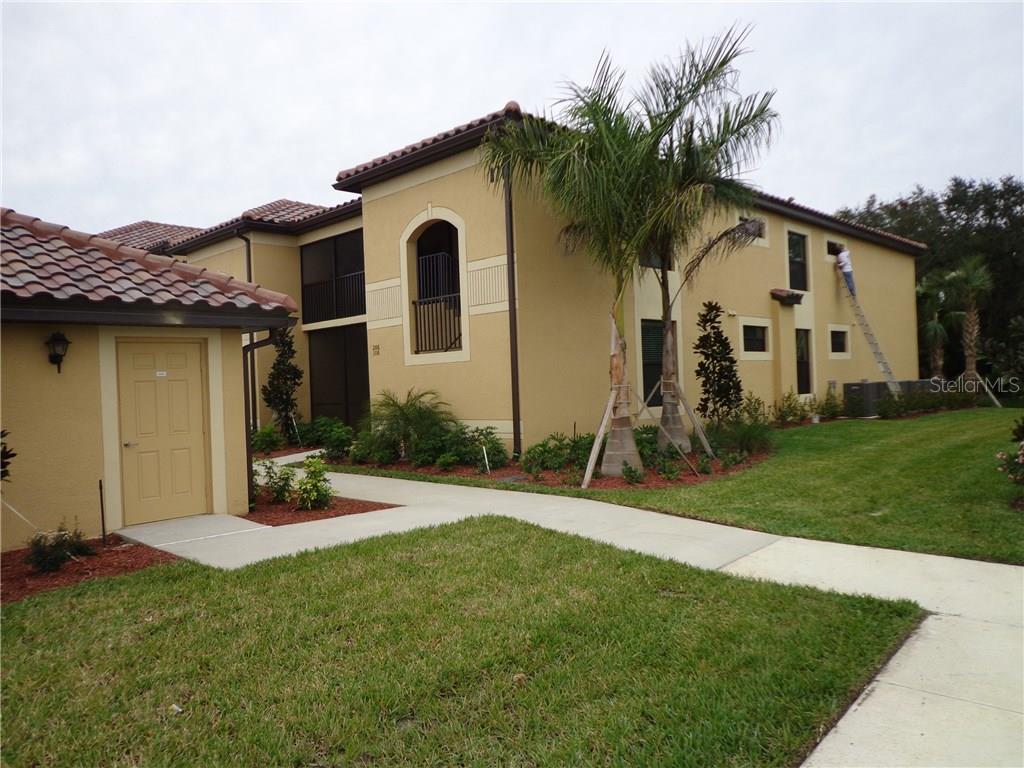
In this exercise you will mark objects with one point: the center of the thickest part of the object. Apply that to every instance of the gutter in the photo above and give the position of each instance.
(513, 317)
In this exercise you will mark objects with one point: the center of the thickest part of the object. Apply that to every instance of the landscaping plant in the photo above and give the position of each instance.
(282, 382)
(789, 410)
(721, 389)
(831, 407)
(632, 475)
(1012, 463)
(336, 439)
(267, 439)
(314, 489)
(278, 480)
(6, 454)
(49, 550)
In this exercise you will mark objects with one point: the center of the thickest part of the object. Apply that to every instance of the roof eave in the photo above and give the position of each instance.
(798, 213)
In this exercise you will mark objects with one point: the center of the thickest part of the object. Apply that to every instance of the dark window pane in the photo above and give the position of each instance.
(332, 278)
(317, 262)
(437, 308)
(797, 261)
(348, 253)
(652, 341)
(755, 338)
(803, 361)
(838, 341)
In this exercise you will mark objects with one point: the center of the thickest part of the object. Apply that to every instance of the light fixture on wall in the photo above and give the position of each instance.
(58, 345)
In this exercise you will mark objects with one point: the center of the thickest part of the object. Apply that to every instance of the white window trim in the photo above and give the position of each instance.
(432, 213)
(760, 242)
(765, 323)
(849, 342)
(796, 230)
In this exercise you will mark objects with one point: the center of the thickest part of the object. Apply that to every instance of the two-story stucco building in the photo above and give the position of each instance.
(437, 278)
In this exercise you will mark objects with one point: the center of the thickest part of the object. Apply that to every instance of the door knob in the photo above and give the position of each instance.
(129, 445)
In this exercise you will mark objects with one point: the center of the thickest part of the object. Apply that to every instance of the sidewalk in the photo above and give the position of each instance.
(952, 696)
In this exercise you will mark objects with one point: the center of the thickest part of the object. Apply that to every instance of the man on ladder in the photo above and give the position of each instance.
(843, 265)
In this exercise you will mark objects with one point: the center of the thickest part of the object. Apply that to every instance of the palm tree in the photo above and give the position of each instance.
(933, 304)
(968, 286)
(589, 166)
(697, 174)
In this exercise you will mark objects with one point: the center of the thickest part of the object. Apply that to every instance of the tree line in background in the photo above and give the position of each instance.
(971, 278)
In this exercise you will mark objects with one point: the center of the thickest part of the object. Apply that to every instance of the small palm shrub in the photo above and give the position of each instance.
(406, 423)
(314, 489)
(267, 439)
(748, 430)
(49, 550)
(277, 480)
(580, 447)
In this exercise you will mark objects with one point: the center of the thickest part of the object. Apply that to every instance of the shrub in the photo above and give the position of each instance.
(314, 489)
(572, 476)
(497, 454)
(336, 439)
(668, 469)
(1012, 464)
(267, 439)
(6, 454)
(721, 389)
(704, 464)
(278, 480)
(282, 381)
(580, 447)
(831, 407)
(1017, 434)
(748, 430)
(790, 410)
(646, 438)
(49, 550)
(551, 453)
(404, 424)
(306, 433)
(891, 407)
(631, 474)
(446, 461)
(732, 458)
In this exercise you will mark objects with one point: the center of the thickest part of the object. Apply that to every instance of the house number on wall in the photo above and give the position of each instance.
(161, 374)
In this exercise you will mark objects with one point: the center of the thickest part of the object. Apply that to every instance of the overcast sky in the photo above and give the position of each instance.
(191, 113)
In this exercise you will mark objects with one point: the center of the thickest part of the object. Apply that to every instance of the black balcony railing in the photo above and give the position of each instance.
(344, 296)
(437, 323)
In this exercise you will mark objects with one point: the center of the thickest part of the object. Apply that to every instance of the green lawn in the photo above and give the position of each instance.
(486, 642)
(927, 485)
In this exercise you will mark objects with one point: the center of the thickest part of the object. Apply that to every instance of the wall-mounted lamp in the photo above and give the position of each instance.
(58, 345)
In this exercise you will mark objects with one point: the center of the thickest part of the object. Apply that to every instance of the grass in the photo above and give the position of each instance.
(926, 485)
(485, 642)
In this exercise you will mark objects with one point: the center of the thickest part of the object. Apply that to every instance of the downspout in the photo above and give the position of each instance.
(513, 324)
(251, 346)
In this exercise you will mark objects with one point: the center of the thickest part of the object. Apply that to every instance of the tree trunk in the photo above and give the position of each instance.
(621, 445)
(972, 332)
(937, 359)
(671, 419)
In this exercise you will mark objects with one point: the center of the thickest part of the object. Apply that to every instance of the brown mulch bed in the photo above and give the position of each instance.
(19, 580)
(515, 474)
(267, 512)
(288, 451)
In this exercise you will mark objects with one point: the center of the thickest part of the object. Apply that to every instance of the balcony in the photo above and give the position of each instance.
(437, 324)
(344, 296)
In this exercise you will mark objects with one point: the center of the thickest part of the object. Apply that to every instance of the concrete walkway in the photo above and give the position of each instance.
(952, 696)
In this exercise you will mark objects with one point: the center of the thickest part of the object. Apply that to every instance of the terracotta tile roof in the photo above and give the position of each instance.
(284, 215)
(829, 218)
(43, 260)
(149, 235)
(349, 179)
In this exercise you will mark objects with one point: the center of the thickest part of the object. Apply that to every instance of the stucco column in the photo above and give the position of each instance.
(785, 349)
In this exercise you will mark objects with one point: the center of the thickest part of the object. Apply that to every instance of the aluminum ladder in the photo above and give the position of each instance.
(876, 349)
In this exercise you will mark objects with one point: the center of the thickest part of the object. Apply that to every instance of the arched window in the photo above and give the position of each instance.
(434, 290)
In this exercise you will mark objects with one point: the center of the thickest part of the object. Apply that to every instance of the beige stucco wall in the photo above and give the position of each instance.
(57, 427)
(741, 284)
(478, 388)
(54, 425)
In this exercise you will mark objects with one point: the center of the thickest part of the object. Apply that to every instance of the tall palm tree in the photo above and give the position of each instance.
(968, 287)
(696, 175)
(938, 318)
(589, 165)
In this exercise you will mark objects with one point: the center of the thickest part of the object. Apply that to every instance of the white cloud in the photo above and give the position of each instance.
(191, 113)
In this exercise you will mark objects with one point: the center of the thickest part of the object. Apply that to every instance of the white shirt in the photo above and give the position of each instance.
(843, 259)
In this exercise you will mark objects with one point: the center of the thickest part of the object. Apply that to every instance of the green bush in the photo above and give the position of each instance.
(404, 424)
(446, 461)
(1012, 464)
(572, 476)
(732, 458)
(306, 433)
(497, 453)
(277, 480)
(831, 407)
(646, 438)
(790, 410)
(748, 430)
(314, 489)
(580, 447)
(632, 475)
(891, 407)
(267, 439)
(336, 439)
(49, 550)
(551, 453)
(668, 469)
(1017, 433)
(704, 464)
